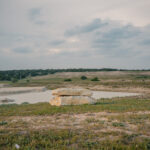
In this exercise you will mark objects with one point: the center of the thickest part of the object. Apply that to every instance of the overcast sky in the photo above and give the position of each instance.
(74, 34)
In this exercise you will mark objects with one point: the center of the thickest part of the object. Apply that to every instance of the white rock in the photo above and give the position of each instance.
(17, 146)
(71, 100)
(71, 92)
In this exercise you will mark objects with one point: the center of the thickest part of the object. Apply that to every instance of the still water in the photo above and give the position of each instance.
(45, 96)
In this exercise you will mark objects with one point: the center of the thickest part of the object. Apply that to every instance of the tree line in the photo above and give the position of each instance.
(11, 75)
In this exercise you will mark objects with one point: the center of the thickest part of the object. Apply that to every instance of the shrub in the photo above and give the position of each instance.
(95, 79)
(27, 80)
(24, 103)
(3, 123)
(67, 80)
(92, 120)
(14, 80)
(83, 77)
(118, 124)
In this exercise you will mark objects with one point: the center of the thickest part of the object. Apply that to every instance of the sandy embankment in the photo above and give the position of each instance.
(17, 90)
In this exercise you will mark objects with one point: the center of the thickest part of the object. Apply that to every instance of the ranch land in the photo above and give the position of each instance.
(118, 123)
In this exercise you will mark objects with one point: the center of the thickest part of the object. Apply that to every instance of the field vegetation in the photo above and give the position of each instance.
(119, 123)
(110, 124)
(128, 81)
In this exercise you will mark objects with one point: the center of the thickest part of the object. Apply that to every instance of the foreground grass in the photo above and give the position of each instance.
(109, 105)
(71, 140)
(111, 124)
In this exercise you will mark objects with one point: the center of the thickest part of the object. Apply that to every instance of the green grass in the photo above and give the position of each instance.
(70, 140)
(5, 82)
(131, 118)
(132, 81)
(118, 124)
(109, 105)
(88, 138)
(128, 79)
(92, 120)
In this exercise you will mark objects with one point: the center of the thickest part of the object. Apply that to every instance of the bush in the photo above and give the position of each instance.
(27, 80)
(3, 123)
(24, 103)
(14, 80)
(83, 77)
(95, 79)
(67, 80)
(118, 124)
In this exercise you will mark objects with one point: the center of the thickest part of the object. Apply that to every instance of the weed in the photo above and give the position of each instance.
(118, 124)
(92, 120)
(24, 103)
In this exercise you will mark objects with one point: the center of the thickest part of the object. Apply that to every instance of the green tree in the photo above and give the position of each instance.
(83, 77)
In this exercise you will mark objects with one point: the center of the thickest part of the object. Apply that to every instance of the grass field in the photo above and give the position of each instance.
(120, 123)
(130, 81)
(110, 124)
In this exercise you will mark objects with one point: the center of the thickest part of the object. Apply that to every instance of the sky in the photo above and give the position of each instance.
(45, 34)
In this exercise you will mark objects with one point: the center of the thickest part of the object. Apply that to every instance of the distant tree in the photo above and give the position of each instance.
(83, 77)
(95, 79)
(67, 80)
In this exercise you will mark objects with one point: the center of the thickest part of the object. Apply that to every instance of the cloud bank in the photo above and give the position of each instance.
(88, 34)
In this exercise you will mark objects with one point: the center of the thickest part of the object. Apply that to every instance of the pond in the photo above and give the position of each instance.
(35, 96)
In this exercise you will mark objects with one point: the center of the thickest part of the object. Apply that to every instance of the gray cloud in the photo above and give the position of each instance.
(35, 16)
(56, 42)
(122, 32)
(95, 24)
(34, 13)
(116, 40)
(22, 50)
(49, 34)
(146, 42)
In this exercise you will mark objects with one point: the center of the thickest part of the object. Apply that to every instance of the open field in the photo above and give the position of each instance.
(127, 81)
(117, 123)
(74, 74)
(121, 123)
